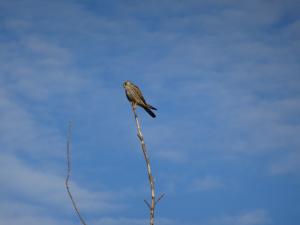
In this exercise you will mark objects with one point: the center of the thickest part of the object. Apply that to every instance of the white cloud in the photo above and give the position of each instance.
(288, 163)
(47, 53)
(133, 221)
(33, 220)
(117, 221)
(40, 70)
(48, 190)
(215, 65)
(18, 213)
(206, 183)
(254, 217)
(172, 155)
(21, 133)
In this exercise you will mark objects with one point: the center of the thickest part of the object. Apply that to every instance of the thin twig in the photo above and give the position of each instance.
(150, 177)
(147, 203)
(159, 198)
(69, 173)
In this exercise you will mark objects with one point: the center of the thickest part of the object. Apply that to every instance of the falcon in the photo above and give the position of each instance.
(135, 96)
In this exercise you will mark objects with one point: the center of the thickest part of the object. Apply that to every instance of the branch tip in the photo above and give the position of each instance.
(147, 203)
(69, 136)
(159, 198)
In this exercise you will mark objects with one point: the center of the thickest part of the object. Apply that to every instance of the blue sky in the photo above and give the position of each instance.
(224, 76)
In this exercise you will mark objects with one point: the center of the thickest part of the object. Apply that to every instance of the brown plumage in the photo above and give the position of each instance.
(135, 96)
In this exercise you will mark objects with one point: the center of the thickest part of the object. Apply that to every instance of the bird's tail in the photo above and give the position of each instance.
(148, 110)
(151, 107)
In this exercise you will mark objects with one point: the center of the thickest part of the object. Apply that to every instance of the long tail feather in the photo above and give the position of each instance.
(151, 107)
(149, 112)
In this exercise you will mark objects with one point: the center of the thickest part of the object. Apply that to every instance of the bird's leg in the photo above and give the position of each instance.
(133, 105)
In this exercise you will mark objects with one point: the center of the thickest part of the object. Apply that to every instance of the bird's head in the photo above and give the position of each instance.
(126, 83)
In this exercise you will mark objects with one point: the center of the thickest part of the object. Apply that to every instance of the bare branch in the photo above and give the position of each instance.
(159, 198)
(150, 177)
(69, 173)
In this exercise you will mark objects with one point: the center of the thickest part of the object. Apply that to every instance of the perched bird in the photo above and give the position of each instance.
(135, 96)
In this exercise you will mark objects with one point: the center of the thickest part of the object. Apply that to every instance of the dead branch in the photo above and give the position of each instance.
(69, 173)
(159, 198)
(150, 177)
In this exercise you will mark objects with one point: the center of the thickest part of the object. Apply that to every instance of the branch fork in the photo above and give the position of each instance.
(69, 175)
(154, 201)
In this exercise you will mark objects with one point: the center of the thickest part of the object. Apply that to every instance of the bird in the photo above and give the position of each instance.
(135, 96)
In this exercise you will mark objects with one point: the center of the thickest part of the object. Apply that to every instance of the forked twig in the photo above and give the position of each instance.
(69, 173)
(159, 198)
(150, 177)
(147, 203)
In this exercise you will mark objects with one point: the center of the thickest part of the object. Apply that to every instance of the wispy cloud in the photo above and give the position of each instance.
(172, 155)
(47, 190)
(223, 75)
(254, 217)
(132, 221)
(207, 183)
(289, 163)
(20, 131)
(17, 213)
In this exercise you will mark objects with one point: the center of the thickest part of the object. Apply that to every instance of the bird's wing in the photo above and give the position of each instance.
(139, 93)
